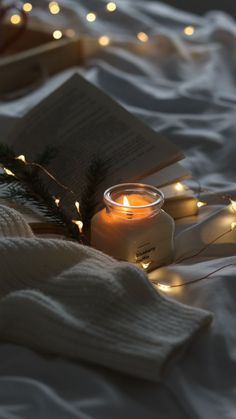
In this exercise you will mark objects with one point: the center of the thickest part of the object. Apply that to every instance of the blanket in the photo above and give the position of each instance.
(66, 299)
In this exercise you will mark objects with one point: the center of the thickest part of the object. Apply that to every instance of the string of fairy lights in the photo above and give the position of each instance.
(231, 226)
(78, 222)
(179, 186)
(91, 16)
(54, 8)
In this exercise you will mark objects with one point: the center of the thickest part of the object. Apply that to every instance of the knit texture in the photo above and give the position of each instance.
(61, 298)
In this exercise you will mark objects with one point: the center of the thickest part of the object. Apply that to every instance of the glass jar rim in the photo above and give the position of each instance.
(139, 187)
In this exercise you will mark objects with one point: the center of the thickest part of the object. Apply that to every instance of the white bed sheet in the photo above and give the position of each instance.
(187, 89)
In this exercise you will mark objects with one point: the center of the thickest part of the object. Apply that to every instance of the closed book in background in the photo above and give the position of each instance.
(180, 201)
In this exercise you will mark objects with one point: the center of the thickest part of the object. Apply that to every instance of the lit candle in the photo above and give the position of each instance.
(133, 227)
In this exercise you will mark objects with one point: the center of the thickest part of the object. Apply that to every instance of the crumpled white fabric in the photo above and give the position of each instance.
(184, 87)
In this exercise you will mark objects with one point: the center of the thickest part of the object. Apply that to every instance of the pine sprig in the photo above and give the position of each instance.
(6, 180)
(46, 156)
(94, 176)
(27, 186)
(49, 208)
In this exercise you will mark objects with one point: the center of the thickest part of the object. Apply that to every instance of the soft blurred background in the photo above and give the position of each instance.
(201, 6)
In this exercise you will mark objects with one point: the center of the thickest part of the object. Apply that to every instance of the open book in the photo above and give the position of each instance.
(84, 123)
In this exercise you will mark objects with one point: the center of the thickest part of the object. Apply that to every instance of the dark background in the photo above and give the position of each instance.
(202, 6)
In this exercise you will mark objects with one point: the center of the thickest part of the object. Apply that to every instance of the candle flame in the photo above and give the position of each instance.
(126, 201)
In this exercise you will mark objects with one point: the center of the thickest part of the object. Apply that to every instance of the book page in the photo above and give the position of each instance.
(82, 122)
(172, 193)
(173, 173)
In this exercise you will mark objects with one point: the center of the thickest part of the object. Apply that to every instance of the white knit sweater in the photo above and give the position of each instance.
(65, 299)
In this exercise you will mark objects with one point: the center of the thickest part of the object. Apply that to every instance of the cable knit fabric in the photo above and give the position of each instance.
(64, 299)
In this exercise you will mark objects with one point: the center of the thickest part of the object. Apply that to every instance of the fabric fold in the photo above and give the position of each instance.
(68, 300)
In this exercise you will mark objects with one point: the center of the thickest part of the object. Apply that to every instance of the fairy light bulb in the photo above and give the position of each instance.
(233, 205)
(179, 186)
(91, 17)
(77, 206)
(27, 7)
(104, 40)
(145, 265)
(15, 19)
(233, 225)
(57, 201)
(201, 204)
(111, 6)
(21, 158)
(142, 37)
(8, 172)
(54, 7)
(189, 30)
(57, 34)
(79, 224)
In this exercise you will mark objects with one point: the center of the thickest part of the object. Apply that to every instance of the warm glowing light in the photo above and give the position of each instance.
(79, 224)
(233, 225)
(54, 7)
(142, 36)
(91, 17)
(27, 7)
(15, 19)
(8, 172)
(126, 201)
(57, 34)
(104, 40)
(145, 265)
(22, 158)
(179, 187)
(233, 205)
(163, 287)
(201, 204)
(77, 205)
(111, 6)
(189, 30)
(57, 201)
(70, 33)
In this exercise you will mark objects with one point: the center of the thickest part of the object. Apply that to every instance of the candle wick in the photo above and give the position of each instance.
(129, 215)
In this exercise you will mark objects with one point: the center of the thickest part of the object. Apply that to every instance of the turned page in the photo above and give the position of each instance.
(84, 123)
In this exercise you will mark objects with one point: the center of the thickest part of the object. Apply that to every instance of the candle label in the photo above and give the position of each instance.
(143, 252)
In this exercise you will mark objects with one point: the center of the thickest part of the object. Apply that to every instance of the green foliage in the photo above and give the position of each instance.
(95, 174)
(28, 188)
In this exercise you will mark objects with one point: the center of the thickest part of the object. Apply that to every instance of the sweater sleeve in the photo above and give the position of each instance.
(68, 300)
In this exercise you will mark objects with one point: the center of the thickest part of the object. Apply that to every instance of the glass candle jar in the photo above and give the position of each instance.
(133, 227)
